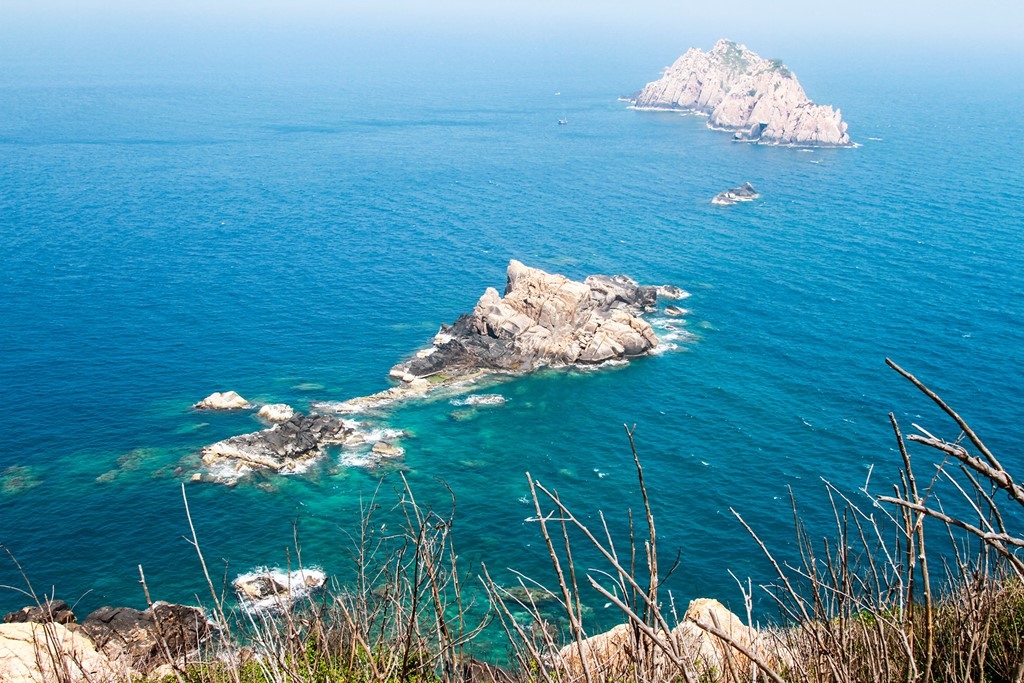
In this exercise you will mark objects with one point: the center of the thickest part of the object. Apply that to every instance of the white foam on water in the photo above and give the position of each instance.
(360, 459)
(664, 347)
(292, 586)
(376, 434)
(328, 406)
(610, 363)
(479, 400)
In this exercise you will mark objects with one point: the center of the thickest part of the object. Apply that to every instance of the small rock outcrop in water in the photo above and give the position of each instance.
(274, 589)
(542, 319)
(227, 400)
(758, 99)
(281, 448)
(276, 412)
(743, 193)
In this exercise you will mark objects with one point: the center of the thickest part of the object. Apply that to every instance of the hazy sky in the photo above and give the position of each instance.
(946, 33)
(959, 21)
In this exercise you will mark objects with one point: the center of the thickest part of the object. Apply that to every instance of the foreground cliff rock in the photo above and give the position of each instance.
(542, 319)
(40, 645)
(615, 654)
(758, 99)
(137, 639)
(32, 652)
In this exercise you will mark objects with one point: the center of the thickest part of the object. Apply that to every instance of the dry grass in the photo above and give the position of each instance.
(923, 583)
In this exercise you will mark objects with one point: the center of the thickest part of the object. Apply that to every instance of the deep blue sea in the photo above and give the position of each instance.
(291, 225)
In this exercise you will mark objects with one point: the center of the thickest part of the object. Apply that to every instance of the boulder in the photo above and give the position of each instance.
(672, 292)
(387, 450)
(228, 400)
(33, 652)
(276, 412)
(615, 654)
(50, 611)
(134, 638)
(542, 319)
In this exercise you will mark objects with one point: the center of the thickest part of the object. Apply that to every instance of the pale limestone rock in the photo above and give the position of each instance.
(607, 655)
(758, 99)
(713, 654)
(51, 653)
(228, 400)
(615, 654)
(387, 450)
(276, 412)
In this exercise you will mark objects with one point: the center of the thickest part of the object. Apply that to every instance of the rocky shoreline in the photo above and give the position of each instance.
(759, 100)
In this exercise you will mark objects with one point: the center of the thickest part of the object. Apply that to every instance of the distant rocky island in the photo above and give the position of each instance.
(760, 100)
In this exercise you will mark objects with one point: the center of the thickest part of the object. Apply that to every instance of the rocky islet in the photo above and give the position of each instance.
(542, 319)
(743, 193)
(759, 100)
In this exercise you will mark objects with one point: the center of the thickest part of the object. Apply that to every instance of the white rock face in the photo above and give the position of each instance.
(276, 412)
(613, 654)
(41, 653)
(228, 400)
(759, 99)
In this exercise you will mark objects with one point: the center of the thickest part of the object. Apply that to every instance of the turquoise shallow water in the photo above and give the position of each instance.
(291, 235)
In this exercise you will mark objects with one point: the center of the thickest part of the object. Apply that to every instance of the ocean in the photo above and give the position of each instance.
(291, 225)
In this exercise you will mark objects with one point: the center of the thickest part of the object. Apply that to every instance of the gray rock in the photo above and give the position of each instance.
(282, 447)
(136, 638)
(51, 611)
(743, 193)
